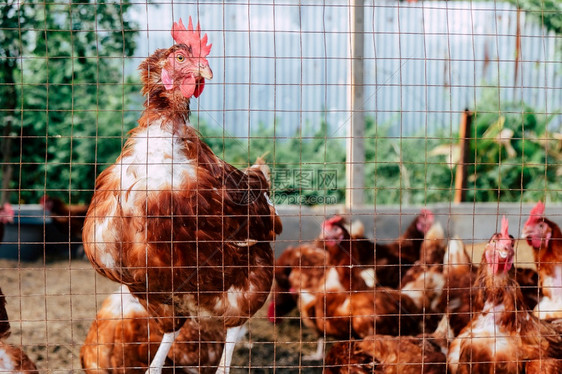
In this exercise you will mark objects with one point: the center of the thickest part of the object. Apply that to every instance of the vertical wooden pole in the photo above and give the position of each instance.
(355, 161)
(464, 149)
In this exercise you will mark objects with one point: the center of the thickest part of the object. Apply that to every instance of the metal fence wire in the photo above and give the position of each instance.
(323, 186)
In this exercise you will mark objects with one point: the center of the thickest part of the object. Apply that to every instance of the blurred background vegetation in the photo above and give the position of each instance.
(60, 129)
(513, 157)
(64, 99)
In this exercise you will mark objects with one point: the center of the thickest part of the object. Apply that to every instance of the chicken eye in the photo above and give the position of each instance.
(180, 58)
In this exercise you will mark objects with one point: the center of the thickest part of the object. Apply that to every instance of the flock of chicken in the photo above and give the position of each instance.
(188, 238)
(415, 305)
(419, 305)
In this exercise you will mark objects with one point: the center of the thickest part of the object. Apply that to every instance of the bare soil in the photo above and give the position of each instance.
(52, 305)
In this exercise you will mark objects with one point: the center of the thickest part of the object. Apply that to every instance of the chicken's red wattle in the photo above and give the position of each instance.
(199, 86)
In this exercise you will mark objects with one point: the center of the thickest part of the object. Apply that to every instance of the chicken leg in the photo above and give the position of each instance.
(233, 334)
(162, 352)
(319, 354)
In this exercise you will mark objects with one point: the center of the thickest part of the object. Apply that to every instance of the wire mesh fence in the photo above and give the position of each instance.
(123, 230)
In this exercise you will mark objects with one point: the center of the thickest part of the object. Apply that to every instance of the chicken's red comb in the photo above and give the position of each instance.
(505, 228)
(191, 38)
(536, 213)
(337, 219)
(8, 209)
(6, 213)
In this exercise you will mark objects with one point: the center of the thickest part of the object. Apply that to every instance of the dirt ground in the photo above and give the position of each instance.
(52, 304)
(51, 307)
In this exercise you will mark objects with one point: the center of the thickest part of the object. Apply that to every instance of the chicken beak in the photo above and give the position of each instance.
(205, 72)
(503, 253)
(504, 248)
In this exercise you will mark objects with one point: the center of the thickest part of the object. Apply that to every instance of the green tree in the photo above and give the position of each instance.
(72, 103)
(400, 169)
(13, 40)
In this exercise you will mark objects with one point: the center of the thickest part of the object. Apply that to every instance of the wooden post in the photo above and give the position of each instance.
(355, 161)
(464, 149)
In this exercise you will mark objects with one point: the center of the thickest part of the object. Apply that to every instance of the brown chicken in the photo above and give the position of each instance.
(392, 260)
(390, 354)
(299, 274)
(344, 303)
(344, 254)
(503, 337)
(305, 281)
(68, 219)
(335, 295)
(456, 300)
(332, 310)
(407, 246)
(12, 359)
(123, 339)
(424, 281)
(343, 313)
(186, 232)
(6, 216)
(546, 239)
(309, 262)
(298, 268)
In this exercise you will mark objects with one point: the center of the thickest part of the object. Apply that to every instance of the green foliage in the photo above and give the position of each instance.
(72, 102)
(525, 167)
(548, 12)
(306, 171)
(399, 169)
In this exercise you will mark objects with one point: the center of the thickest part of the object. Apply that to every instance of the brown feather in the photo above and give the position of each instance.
(387, 355)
